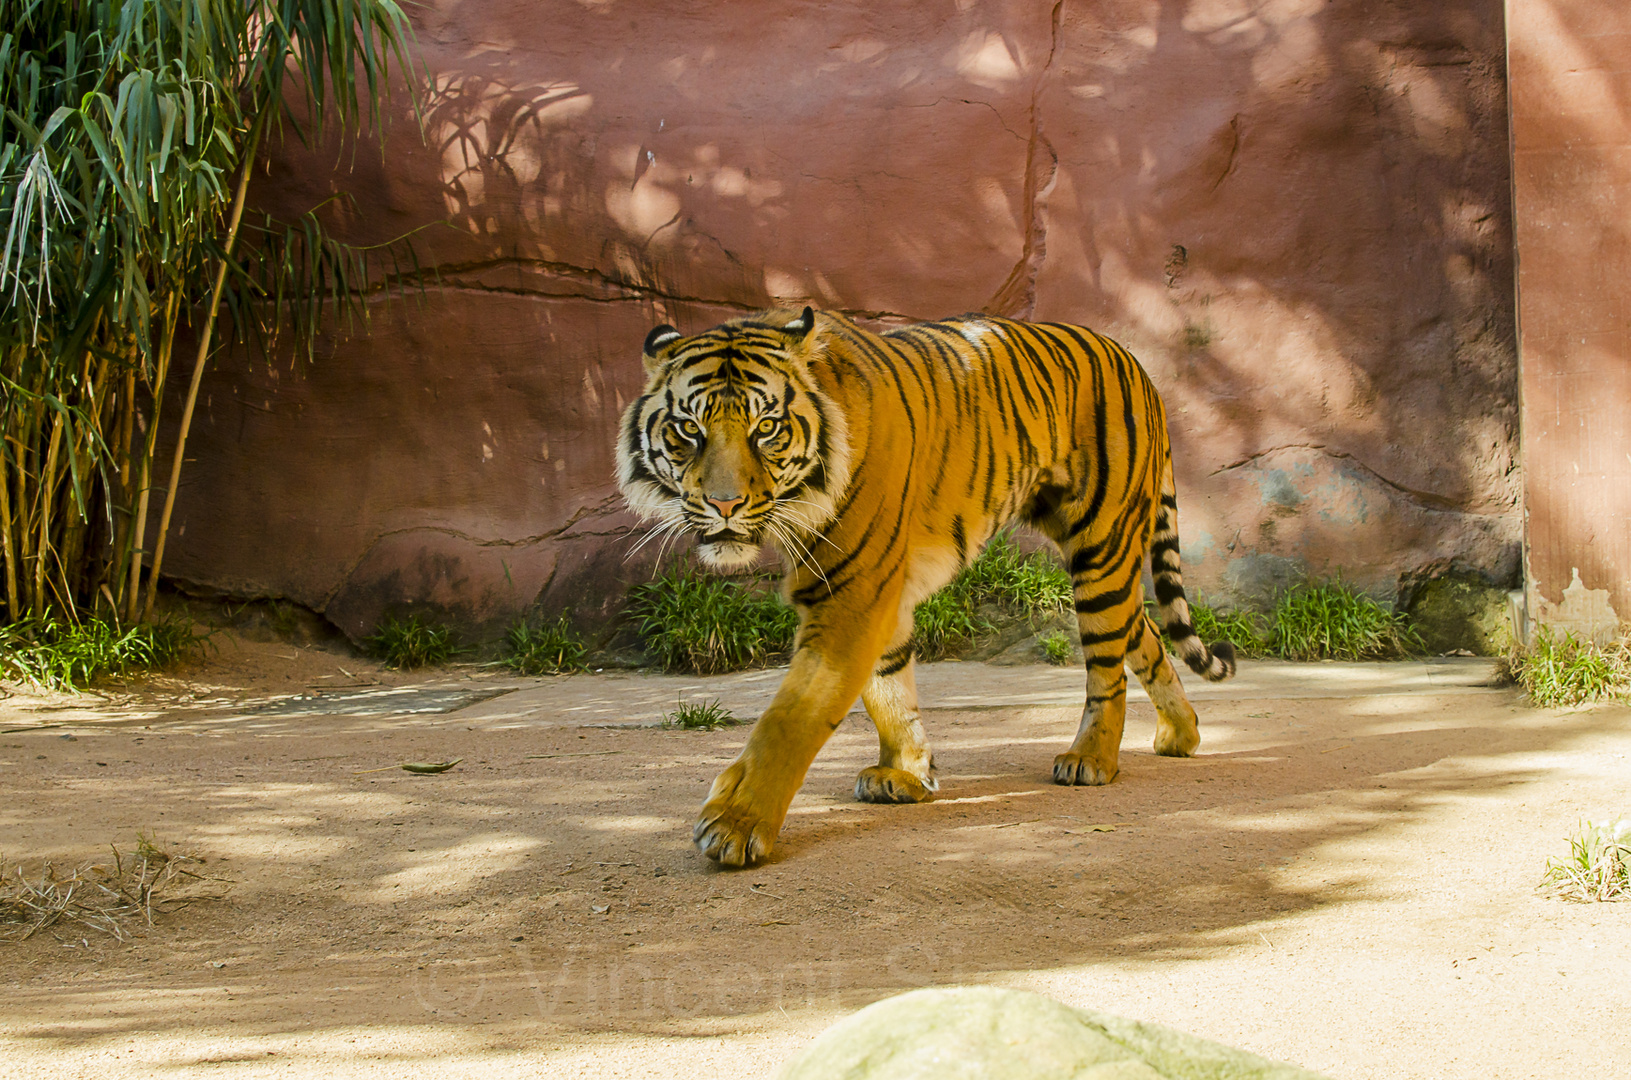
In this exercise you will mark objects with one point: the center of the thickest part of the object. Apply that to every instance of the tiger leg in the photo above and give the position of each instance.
(1094, 757)
(749, 799)
(905, 769)
(1176, 732)
(1106, 611)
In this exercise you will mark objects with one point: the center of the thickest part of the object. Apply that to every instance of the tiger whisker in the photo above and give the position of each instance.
(792, 544)
(793, 548)
(665, 526)
(650, 533)
(667, 540)
(806, 526)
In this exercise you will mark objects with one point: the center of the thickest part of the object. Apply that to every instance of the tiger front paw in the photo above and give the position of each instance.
(881, 784)
(1080, 769)
(733, 830)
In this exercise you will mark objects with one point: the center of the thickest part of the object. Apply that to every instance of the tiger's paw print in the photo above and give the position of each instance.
(1081, 770)
(881, 784)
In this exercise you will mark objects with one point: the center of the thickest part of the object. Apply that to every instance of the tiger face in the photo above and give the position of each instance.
(732, 440)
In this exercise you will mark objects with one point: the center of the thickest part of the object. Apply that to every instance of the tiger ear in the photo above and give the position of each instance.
(656, 347)
(800, 328)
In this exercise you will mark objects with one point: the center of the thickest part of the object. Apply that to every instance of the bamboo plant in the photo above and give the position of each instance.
(128, 135)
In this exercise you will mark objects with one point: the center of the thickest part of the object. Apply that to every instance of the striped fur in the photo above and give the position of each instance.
(880, 464)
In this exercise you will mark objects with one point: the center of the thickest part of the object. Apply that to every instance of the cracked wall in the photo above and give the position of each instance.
(1295, 213)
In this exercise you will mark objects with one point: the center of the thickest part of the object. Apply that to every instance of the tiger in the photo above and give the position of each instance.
(879, 464)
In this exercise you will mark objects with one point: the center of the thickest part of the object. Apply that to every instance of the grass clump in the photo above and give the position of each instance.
(102, 898)
(700, 716)
(697, 623)
(1243, 629)
(1056, 647)
(1570, 670)
(551, 649)
(1598, 866)
(1033, 585)
(411, 643)
(946, 620)
(1334, 621)
(58, 655)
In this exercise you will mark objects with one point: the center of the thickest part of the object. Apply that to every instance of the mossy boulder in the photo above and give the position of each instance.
(1456, 612)
(983, 1033)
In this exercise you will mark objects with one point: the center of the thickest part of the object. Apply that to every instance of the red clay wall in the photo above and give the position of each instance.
(1295, 213)
(1571, 136)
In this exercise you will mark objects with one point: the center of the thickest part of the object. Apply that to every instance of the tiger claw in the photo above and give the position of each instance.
(731, 830)
(729, 845)
(1074, 769)
(880, 784)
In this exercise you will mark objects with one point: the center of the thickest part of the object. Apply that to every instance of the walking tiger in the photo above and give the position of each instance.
(880, 464)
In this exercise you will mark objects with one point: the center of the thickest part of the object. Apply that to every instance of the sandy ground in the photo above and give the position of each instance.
(1343, 878)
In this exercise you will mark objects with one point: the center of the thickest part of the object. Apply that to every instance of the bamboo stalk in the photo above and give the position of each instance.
(83, 451)
(198, 362)
(28, 475)
(127, 427)
(48, 483)
(10, 554)
(122, 530)
(138, 535)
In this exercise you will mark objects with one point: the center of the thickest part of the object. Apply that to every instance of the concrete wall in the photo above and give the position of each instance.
(1571, 140)
(1296, 213)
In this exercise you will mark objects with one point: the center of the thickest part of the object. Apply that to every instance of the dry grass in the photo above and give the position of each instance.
(1570, 670)
(109, 900)
(1598, 866)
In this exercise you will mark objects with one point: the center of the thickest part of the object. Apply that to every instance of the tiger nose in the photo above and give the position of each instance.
(727, 504)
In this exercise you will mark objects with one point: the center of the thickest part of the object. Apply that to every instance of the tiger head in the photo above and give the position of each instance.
(733, 440)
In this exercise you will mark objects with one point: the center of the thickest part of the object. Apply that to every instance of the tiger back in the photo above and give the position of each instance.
(880, 464)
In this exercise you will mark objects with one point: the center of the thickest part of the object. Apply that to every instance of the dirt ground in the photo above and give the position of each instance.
(1343, 878)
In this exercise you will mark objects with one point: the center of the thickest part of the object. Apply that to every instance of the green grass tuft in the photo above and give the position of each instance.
(411, 643)
(57, 655)
(1057, 647)
(1598, 866)
(551, 649)
(1334, 621)
(700, 716)
(1570, 670)
(1033, 585)
(1243, 629)
(949, 618)
(697, 623)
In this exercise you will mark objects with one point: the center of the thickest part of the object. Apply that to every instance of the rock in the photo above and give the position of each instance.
(1008, 632)
(1461, 612)
(1028, 650)
(984, 1033)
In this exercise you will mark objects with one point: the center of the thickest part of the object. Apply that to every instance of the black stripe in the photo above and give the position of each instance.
(1095, 605)
(1120, 633)
(895, 660)
(1166, 591)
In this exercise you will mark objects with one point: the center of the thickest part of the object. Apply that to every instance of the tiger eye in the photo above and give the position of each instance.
(690, 427)
(767, 425)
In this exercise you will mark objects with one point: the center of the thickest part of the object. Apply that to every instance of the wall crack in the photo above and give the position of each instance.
(1427, 500)
(1016, 297)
